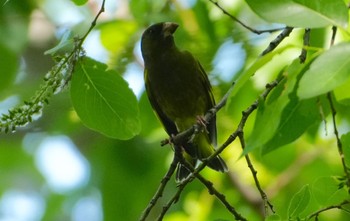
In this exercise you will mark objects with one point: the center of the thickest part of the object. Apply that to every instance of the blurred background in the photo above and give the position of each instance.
(57, 169)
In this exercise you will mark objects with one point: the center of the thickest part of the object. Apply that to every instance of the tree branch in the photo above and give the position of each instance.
(258, 32)
(306, 42)
(209, 185)
(336, 133)
(339, 143)
(273, 44)
(266, 202)
(160, 190)
(339, 206)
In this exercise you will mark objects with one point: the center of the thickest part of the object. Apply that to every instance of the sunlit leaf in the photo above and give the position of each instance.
(296, 118)
(326, 191)
(299, 202)
(115, 35)
(342, 93)
(282, 118)
(328, 71)
(302, 13)
(260, 62)
(345, 139)
(80, 2)
(103, 100)
(66, 41)
(274, 217)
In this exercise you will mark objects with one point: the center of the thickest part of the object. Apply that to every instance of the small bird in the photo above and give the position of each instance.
(180, 93)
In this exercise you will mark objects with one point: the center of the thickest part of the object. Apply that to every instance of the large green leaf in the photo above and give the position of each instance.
(260, 62)
(296, 118)
(80, 2)
(115, 35)
(283, 114)
(328, 71)
(327, 192)
(299, 202)
(342, 93)
(345, 140)
(302, 13)
(103, 100)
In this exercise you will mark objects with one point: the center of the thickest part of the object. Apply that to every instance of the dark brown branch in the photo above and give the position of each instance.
(306, 42)
(334, 112)
(339, 143)
(209, 185)
(258, 32)
(160, 190)
(273, 44)
(266, 202)
(93, 23)
(334, 33)
(339, 206)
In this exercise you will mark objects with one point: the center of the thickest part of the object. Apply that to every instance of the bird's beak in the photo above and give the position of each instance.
(169, 28)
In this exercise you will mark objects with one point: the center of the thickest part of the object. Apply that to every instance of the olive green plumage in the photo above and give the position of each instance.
(180, 92)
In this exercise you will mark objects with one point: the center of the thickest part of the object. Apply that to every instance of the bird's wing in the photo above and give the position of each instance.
(168, 124)
(211, 103)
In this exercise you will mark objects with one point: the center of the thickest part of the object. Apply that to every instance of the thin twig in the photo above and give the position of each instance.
(160, 190)
(339, 206)
(273, 44)
(334, 112)
(339, 143)
(266, 202)
(306, 42)
(258, 32)
(334, 33)
(209, 185)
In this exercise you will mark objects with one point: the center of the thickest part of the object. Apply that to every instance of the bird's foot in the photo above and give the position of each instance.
(202, 124)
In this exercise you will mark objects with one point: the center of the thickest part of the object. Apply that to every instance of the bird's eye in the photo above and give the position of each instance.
(151, 31)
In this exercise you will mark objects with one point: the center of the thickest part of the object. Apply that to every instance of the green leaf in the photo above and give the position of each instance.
(80, 2)
(103, 100)
(287, 118)
(330, 70)
(115, 35)
(299, 202)
(342, 93)
(345, 140)
(273, 217)
(66, 41)
(326, 191)
(296, 118)
(302, 13)
(260, 62)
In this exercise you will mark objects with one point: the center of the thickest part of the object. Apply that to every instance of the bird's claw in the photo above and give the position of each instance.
(202, 124)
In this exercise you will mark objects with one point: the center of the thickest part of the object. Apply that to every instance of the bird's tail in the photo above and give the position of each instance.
(218, 164)
(182, 172)
(205, 149)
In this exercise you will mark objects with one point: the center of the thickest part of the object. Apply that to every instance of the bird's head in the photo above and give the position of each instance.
(158, 38)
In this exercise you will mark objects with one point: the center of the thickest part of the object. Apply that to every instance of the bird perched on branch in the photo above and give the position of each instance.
(180, 93)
